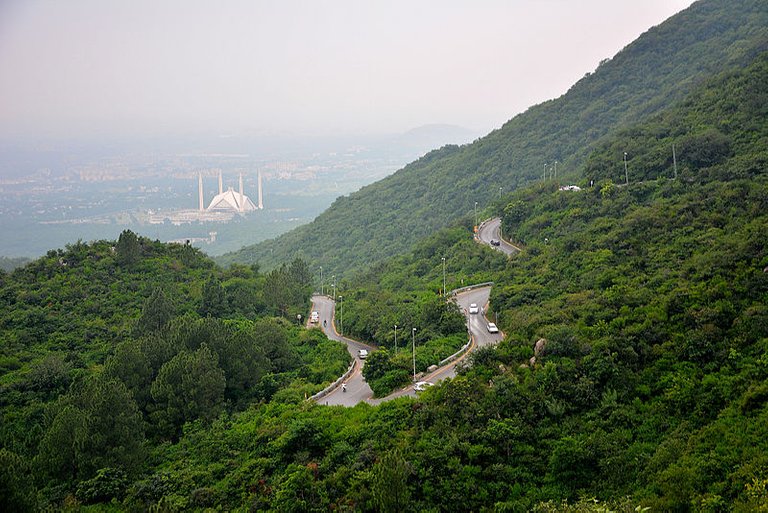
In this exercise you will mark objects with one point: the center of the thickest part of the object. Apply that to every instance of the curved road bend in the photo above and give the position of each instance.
(491, 229)
(357, 388)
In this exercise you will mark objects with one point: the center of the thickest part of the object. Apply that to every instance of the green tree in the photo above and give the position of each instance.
(127, 249)
(157, 311)
(51, 375)
(59, 452)
(132, 367)
(390, 476)
(301, 491)
(214, 300)
(189, 386)
(16, 490)
(98, 425)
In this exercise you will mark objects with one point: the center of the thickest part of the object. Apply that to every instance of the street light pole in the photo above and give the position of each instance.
(341, 324)
(545, 171)
(555, 170)
(626, 175)
(395, 338)
(475, 214)
(321, 280)
(414, 353)
(674, 160)
(444, 294)
(334, 286)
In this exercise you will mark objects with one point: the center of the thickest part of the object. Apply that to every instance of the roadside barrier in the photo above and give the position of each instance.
(471, 287)
(458, 353)
(322, 393)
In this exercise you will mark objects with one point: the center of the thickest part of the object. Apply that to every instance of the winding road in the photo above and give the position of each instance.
(491, 230)
(358, 390)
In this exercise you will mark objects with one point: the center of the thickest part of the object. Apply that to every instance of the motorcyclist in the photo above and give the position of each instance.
(325, 323)
(343, 387)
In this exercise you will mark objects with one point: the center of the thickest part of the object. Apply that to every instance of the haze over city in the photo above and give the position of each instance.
(88, 68)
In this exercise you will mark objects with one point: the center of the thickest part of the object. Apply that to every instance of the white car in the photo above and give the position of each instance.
(362, 354)
(314, 317)
(473, 308)
(492, 328)
(420, 386)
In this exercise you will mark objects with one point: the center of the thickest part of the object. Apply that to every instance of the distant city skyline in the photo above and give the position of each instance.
(86, 68)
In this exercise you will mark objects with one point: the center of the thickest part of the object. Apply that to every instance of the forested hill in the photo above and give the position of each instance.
(653, 72)
(633, 374)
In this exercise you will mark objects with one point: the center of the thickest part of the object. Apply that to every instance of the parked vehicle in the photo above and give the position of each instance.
(492, 328)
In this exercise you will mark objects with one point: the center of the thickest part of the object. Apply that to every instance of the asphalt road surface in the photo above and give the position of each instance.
(357, 389)
(477, 325)
(491, 230)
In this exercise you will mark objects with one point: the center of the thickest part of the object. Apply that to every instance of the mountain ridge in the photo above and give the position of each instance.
(658, 68)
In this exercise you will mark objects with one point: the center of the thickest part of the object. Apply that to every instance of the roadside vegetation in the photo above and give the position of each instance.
(408, 292)
(112, 349)
(139, 376)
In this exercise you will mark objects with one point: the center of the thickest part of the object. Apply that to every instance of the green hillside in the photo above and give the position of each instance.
(632, 375)
(661, 67)
(110, 348)
(139, 376)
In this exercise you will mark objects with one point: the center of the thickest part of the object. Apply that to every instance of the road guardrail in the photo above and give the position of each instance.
(335, 384)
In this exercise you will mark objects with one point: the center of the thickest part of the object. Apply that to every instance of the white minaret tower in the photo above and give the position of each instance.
(200, 190)
(261, 198)
(241, 192)
(221, 184)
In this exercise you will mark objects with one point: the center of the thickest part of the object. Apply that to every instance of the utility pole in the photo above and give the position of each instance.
(395, 338)
(444, 294)
(674, 160)
(414, 353)
(626, 175)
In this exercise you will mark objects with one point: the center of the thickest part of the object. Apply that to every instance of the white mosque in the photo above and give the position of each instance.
(229, 200)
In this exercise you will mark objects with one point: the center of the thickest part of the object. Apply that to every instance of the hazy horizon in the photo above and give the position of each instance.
(87, 68)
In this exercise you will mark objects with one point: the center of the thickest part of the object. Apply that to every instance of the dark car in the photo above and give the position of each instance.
(494, 242)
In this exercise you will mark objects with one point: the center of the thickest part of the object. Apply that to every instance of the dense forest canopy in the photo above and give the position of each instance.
(111, 348)
(140, 376)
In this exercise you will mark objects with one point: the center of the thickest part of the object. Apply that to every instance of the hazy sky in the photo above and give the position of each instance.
(85, 67)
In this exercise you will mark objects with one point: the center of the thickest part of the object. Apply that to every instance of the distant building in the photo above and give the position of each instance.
(570, 188)
(229, 201)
